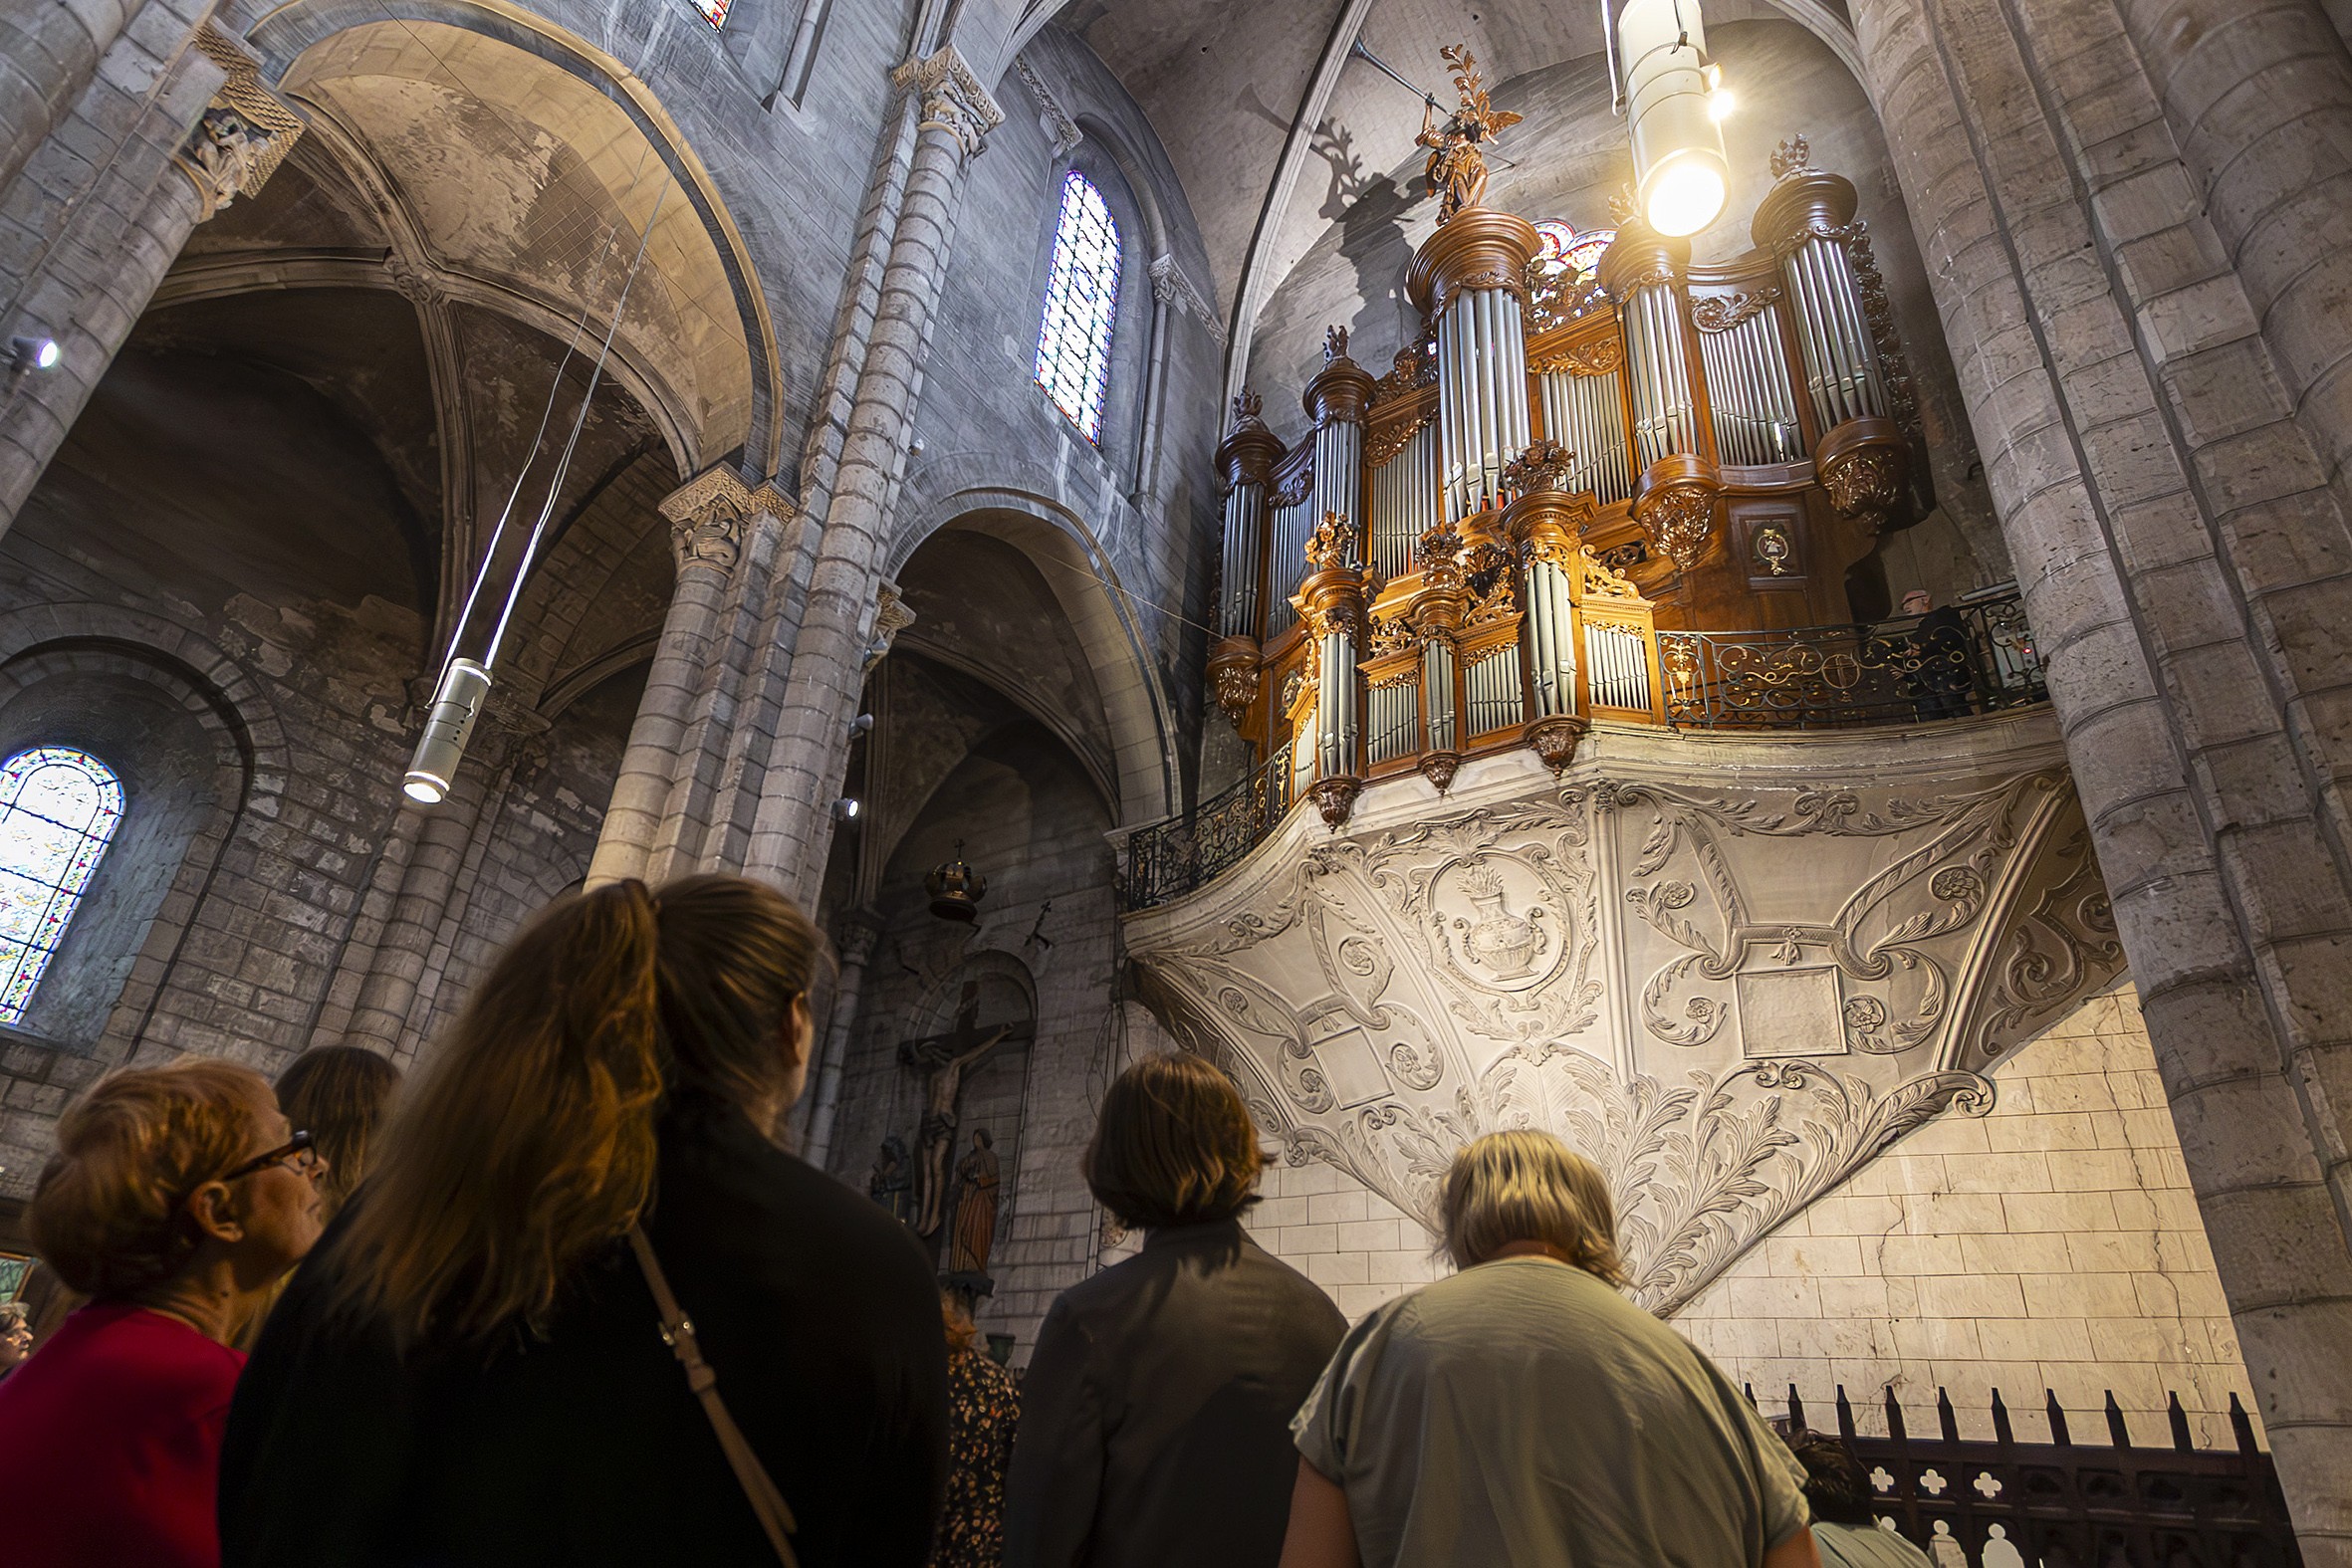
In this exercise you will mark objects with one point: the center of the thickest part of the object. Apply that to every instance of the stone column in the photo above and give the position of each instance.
(1332, 608)
(102, 263)
(707, 518)
(792, 831)
(49, 51)
(2216, 836)
(1245, 458)
(855, 943)
(445, 837)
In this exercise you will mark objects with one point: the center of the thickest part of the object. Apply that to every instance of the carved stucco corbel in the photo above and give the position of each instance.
(243, 135)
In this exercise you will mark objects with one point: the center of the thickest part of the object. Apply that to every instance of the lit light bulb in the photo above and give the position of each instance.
(1684, 198)
(424, 791)
(1721, 105)
(45, 357)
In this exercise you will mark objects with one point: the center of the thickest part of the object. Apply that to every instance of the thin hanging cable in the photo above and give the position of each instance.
(578, 424)
(531, 459)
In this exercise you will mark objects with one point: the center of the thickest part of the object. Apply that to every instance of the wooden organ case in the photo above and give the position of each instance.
(1477, 549)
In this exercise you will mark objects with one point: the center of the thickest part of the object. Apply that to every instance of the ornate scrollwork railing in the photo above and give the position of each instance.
(1169, 859)
(1975, 658)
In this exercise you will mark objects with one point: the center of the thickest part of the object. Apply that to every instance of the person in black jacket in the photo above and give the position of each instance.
(1155, 1416)
(472, 1368)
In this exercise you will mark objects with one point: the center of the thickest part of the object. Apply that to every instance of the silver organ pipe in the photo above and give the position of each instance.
(1481, 394)
(1336, 708)
(1395, 728)
(1586, 414)
(1437, 682)
(1288, 562)
(1551, 650)
(1617, 664)
(1747, 389)
(1492, 685)
(1245, 545)
(1405, 500)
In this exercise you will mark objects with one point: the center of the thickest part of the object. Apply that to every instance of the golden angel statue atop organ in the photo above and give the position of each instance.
(1457, 166)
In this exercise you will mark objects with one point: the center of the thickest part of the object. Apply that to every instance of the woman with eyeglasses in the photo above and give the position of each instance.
(177, 1196)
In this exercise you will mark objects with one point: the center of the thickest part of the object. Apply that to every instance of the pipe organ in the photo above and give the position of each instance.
(1477, 550)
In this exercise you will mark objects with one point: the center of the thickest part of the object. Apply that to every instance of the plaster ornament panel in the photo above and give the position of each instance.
(1730, 973)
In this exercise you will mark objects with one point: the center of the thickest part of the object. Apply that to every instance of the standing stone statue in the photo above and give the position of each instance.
(973, 1233)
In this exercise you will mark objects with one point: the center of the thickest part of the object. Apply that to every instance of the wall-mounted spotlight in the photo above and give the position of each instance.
(1681, 176)
(863, 724)
(465, 686)
(845, 810)
(32, 353)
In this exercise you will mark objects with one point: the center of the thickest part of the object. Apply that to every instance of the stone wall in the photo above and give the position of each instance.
(2053, 1243)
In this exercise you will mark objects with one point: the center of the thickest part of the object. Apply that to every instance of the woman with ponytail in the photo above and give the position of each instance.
(474, 1368)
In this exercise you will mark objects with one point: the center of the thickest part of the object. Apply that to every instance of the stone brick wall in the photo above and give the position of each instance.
(2053, 1244)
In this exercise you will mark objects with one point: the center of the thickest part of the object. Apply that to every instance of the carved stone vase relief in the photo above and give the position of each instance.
(1729, 995)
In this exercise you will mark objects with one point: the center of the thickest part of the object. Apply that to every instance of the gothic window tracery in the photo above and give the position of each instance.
(1081, 305)
(58, 808)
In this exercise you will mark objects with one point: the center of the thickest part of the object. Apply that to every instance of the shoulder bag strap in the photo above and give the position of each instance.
(677, 1331)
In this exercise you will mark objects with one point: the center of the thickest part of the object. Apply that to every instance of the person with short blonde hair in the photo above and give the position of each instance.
(1528, 1185)
(1154, 1416)
(1524, 1414)
(176, 1198)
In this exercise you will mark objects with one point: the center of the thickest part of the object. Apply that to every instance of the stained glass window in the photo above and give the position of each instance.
(1081, 301)
(714, 11)
(1565, 250)
(58, 808)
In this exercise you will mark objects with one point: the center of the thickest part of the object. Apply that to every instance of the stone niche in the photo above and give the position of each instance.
(1730, 969)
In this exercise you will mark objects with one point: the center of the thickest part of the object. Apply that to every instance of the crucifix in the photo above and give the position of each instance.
(943, 1060)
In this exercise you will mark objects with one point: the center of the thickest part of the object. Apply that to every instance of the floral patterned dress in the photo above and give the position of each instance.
(982, 1408)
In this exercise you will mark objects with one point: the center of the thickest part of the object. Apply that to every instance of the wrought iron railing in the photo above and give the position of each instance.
(2068, 1504)
(1972, 658)
(1169, 859)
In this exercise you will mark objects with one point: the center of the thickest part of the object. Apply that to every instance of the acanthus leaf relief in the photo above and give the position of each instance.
(1731, 1000)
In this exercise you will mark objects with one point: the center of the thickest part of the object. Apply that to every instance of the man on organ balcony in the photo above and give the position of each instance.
(1940, 644)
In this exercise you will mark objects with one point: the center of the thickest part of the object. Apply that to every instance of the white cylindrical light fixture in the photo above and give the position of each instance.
(1681, 176)
(465, 686)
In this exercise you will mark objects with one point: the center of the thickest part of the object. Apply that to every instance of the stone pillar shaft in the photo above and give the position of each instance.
(792, 828)
(2130, 490)
(856, 946)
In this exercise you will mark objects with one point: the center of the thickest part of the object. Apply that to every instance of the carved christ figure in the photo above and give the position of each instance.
(1457, 167)
(941, 1086)
(974, 1235)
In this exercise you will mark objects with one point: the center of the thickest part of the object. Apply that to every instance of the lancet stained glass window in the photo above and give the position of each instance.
(714, 11)
(1565, 250)
(1081, 301)
(58, 808)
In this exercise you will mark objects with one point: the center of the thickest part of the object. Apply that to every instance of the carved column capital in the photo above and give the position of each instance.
(891, 616)
(708, 515)
(1171, 287)
(243, 135)
(953, 98)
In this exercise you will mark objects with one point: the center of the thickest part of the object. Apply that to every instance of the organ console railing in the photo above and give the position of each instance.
(1477, 550)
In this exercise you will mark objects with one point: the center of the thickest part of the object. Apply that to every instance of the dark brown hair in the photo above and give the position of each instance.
(108, 1213)
(1836, 1489)
(1174, 1145)
(529, 1142)
(339, 1094)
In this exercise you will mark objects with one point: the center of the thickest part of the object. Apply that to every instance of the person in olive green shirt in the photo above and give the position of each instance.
(1523, 1414)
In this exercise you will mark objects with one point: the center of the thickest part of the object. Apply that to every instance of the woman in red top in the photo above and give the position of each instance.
(176, 1197)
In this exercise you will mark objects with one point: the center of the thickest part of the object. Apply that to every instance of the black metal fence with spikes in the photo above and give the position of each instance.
(1972, 1503)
